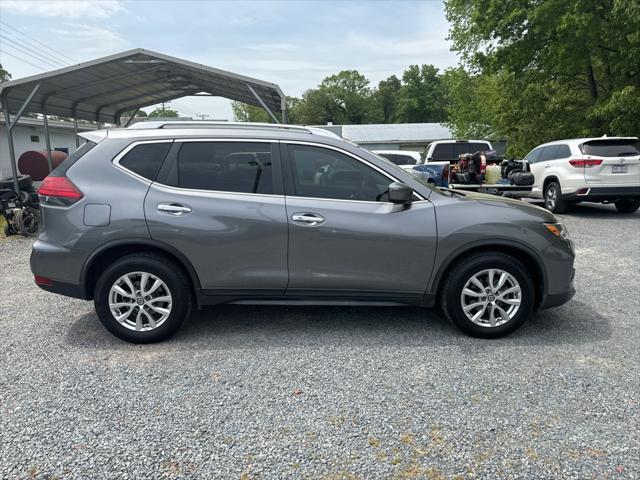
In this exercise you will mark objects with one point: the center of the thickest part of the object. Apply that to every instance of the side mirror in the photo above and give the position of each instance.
(429, 159)
(400, 193)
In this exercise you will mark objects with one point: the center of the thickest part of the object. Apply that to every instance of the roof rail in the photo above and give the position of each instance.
(151, 125)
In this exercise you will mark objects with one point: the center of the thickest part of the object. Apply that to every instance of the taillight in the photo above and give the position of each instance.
(585, 162)
(59, 191)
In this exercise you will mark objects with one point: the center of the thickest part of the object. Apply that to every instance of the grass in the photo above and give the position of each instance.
(3, 222)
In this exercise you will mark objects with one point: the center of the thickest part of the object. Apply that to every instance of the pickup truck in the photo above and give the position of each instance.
(440, 162)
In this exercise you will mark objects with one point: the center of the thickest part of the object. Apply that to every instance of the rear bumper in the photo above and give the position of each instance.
(66, 289)
(60, 266)
(599, 194)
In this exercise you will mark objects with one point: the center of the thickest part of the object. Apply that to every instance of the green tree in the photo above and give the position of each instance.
(563, 67)
(386, 99)
(163, 111)
(343, 98)
(4, 75)
(243, 112)
(422, 97)
(139, 113)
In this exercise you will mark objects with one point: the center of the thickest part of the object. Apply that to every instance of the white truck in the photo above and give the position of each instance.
(441, 165)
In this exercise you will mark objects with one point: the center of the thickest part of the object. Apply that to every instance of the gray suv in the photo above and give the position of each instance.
(153, 220)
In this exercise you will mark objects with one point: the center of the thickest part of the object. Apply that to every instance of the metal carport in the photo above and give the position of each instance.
(102, 90)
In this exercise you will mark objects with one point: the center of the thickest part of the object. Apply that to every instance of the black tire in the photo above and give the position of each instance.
(461, 273)
(166, 270)
(553, 198)
(628, 205)
(24, 181)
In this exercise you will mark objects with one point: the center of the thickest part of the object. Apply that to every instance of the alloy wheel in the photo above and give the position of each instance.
(140, 301)
(491, 297)
(552, 197)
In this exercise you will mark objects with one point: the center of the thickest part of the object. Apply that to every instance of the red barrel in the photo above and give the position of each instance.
(36, 164)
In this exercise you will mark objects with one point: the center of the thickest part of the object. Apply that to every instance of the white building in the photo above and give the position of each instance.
(28, 134)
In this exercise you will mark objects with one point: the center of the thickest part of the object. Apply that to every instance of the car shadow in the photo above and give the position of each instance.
(243, 326)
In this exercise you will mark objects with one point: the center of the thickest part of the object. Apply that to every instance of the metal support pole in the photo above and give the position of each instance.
(12, 153)
(264, 105)
(75, 131)
(10, 125)
(131, 117)
(47, 139)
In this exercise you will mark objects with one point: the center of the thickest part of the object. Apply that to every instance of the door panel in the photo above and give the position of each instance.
(361, 246)
(220, 204)
(344, 236)
(233, 241)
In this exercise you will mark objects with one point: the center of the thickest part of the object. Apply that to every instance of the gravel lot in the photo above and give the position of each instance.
(291, 392)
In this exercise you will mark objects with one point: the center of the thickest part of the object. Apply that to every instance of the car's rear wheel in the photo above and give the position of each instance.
(142, 298)
(553, 198)
(628, 205)
(488, 295)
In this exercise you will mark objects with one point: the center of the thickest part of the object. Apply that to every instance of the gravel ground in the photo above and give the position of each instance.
(290, 392)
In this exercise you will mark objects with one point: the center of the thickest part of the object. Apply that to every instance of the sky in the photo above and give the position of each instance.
(293, 43)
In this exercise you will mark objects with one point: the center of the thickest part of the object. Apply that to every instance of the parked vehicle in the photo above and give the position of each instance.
(151, 222)
(604, 169)
(450, 150)
(400, 157)
(472, 165)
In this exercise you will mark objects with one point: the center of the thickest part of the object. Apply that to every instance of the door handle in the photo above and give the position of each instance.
(546, 165)
(175, 209)
(308, 219)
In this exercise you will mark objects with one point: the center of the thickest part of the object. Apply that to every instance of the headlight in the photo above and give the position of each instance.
(558, 229)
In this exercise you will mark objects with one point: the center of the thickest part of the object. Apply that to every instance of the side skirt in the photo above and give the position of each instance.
(314, 297)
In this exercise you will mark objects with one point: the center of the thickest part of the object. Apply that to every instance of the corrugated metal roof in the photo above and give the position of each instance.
(402, 132)
(102, 89)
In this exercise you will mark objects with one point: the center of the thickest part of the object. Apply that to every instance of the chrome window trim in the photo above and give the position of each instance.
(127, 149)
(201, 193)
(345, 152)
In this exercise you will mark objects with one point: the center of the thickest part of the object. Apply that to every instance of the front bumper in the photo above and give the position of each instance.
(600, 194)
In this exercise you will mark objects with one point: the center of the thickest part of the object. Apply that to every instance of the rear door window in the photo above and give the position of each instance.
(563, 151)
(611, 148)
(243, 167)
(534, 155)
(146, 159)
(548, 153)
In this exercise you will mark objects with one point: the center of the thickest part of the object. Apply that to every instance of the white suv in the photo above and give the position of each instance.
(605, 169)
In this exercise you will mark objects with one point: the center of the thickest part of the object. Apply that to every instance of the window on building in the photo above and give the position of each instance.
(35, 138)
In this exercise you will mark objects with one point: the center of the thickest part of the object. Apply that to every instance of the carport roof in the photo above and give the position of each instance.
(102, 89)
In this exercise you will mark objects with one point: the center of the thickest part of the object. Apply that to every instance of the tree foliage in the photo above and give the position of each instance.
(4, 75)
(548, 70)
(163, 112)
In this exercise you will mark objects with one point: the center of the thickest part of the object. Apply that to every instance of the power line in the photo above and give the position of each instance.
(23, 60)
(39, 42)
(33, 54)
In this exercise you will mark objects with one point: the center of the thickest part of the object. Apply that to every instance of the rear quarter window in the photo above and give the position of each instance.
(145, 159)
(77, 154)
(611, 148)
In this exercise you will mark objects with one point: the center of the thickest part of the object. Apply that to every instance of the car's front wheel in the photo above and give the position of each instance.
(627, 205)
(142, 298)
(488, 295)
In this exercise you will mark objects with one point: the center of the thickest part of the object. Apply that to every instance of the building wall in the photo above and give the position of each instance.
(22, 143)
